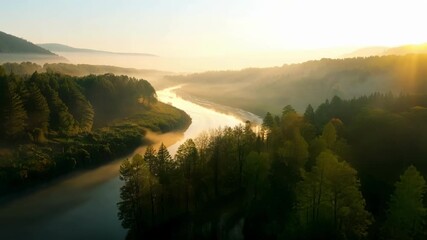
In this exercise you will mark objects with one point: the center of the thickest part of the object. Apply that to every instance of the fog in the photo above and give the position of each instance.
(52, 210)
(35, 58)
(184, 64)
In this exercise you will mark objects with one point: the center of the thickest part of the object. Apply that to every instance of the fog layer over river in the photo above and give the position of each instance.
(83, 204)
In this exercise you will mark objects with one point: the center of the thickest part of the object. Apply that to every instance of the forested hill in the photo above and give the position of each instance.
(12, 44)
(351, 169)
(266, 89)
(52, 123)
(79, 70)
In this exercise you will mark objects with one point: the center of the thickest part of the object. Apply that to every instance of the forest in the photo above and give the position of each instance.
(54, 123)
(268, 89)
(349, 169)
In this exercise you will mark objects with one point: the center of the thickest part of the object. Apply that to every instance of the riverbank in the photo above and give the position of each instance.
(83, 204)
(49, 210)
(28, 165)
(240, 114)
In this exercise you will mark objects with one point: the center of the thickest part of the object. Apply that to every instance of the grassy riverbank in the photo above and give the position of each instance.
(53, 123)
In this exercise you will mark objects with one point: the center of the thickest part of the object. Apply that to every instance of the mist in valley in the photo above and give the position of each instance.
(272, 119)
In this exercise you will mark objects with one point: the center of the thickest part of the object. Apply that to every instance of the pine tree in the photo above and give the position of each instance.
(60, 119)
(268, 121)
(309, 114)
(164, 163)
(14, 115)
(37, 109)
(164, 166)
(79, 107)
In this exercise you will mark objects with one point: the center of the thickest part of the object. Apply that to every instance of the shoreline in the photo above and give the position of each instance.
(240, 114)
(68, 186)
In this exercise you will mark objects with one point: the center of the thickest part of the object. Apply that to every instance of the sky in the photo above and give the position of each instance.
(200, 28)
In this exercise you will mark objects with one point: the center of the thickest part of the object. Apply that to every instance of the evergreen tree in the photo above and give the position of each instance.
(164, 166)
(14, 115)
(37, 109)
(60, 118)
(268, 121)
(79, 107)
(309, 114)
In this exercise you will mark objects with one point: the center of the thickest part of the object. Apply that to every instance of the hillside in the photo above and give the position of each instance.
(407, 49)
(366, 52)
(56, 47)
(269, 89)
(12, 44)
(384, 51)
(17, 50)
(79, 70)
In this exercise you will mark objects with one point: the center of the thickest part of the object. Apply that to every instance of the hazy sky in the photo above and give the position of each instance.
(217, 27)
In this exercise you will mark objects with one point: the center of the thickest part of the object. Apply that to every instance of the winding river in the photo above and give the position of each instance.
(83, 204)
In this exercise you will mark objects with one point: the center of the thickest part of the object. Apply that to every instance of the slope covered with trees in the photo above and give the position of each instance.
(330, 173)
(80, 70)
(53, 123)
(12, 44)
(266, 89)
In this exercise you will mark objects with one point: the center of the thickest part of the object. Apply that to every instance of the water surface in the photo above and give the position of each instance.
(83, 204)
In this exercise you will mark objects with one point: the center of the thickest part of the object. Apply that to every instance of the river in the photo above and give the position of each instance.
(83, 204)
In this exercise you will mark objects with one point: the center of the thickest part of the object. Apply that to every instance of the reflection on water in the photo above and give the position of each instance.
(202, 118)
(83, 205)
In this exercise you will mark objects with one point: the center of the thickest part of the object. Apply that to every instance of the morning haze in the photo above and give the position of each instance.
(246, 119)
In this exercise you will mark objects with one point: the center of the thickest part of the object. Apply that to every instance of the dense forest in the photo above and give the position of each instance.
(267, 89)
(351, 169)
(53, 123)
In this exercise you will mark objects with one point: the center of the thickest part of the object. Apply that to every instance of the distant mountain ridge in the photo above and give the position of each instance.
(366, 52)
(407, 49)
(56, 47)
(383, 51)
(12, 44)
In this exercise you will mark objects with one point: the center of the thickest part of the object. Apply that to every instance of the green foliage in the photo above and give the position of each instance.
(329, 198)
(293, 182)
(268, 121)
(220, 176)
(78, 105)
(406, 215)
(329, 135)
(138, 182)
(261, 90)
(13, 117)
(53, 111)
(255, 173)
(296, 150)
(37, 109)
(309, 114)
